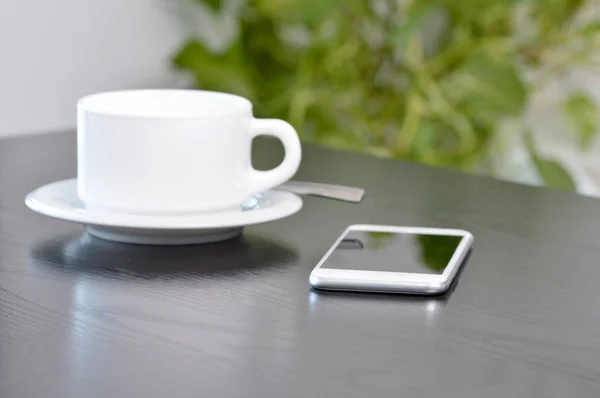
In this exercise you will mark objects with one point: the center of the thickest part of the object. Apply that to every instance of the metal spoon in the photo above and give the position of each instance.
(337, 192)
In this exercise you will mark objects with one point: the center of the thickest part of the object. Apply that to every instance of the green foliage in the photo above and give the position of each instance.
(425, 80)
(486, 88)
(580, 110)
(412, 22)
(214, 5)
(590, 29)
(297, 11)
(219, 72)
(551, 172)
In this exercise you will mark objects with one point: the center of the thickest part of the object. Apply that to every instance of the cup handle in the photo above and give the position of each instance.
(261, 181)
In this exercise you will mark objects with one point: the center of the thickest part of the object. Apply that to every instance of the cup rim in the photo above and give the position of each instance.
(245, 104)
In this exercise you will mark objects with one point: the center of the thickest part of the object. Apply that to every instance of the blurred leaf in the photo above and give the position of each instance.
(552, 173)
(570, 8)
(271, 58)
(298, 11)
(582, 113)
(411, 23)
(471, 11)
(428, 137)
(341, 141)
(487, 88)
(590, 29)
(219, 72)
(214, 5)
(552, 14)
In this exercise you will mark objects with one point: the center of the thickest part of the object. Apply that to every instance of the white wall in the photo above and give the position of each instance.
(53, 52)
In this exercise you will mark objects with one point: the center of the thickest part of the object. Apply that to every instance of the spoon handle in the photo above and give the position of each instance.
(338, 192)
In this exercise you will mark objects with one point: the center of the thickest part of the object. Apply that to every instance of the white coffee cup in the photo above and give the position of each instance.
(174, 151)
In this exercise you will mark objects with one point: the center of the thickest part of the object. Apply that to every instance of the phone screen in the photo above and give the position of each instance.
(393, 252)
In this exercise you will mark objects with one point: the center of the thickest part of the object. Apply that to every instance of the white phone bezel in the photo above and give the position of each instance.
(392, 282)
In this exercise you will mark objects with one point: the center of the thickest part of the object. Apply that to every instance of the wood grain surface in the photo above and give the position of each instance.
(81, 317)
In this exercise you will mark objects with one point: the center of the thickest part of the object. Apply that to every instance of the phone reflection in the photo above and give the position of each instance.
(176, 299)
(425, 307)
(351, 244)
(433, 251)
(405, 306)
(86, 256)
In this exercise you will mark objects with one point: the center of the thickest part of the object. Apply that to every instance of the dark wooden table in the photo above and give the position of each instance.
(81, 317)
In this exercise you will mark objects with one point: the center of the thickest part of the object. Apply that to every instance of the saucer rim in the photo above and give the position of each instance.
(287, 204)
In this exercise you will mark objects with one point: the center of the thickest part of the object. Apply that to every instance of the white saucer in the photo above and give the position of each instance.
(60, 200)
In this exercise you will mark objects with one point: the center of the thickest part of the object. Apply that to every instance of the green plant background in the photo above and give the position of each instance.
(426, 80)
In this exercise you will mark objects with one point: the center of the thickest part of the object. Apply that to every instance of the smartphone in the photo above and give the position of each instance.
(389, 259)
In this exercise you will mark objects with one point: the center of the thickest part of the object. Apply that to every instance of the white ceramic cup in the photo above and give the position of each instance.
(174, 151)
